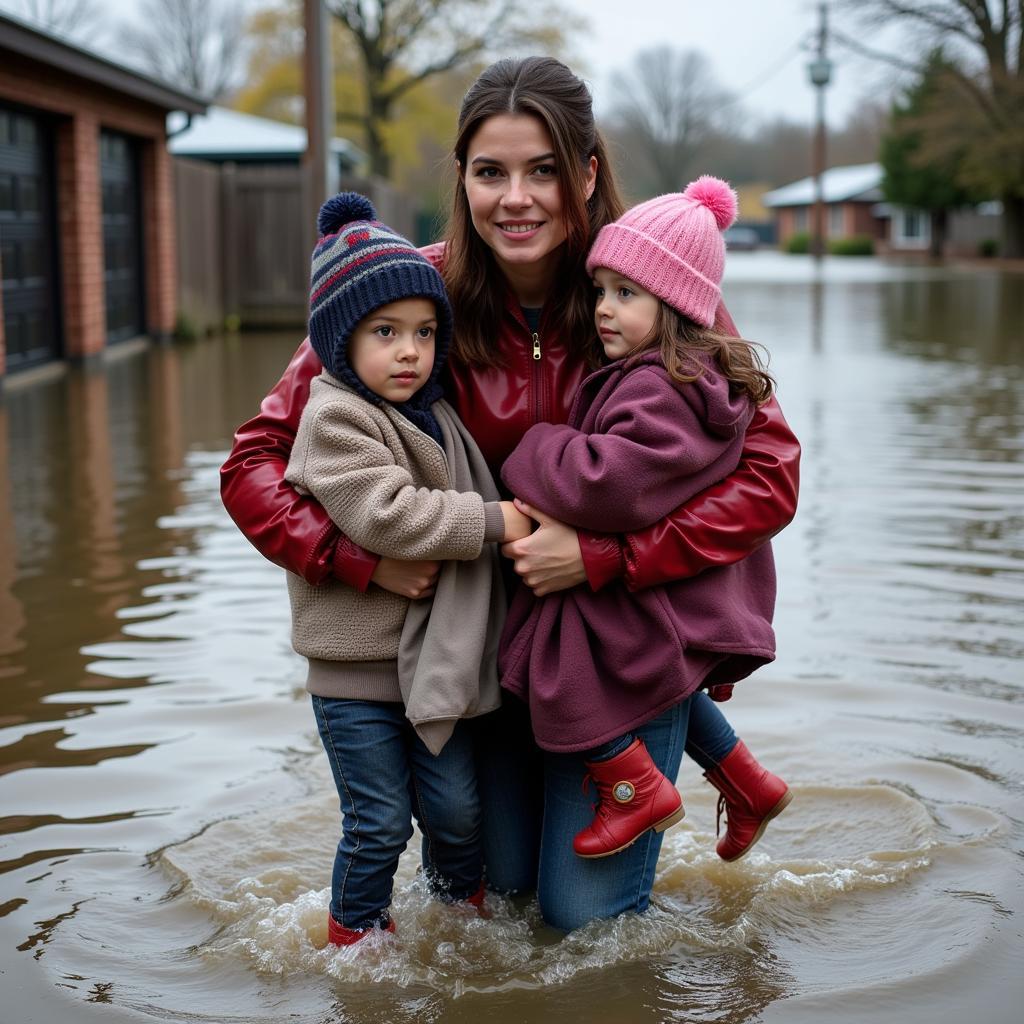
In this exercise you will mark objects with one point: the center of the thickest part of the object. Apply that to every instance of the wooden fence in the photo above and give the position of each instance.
(245, 235)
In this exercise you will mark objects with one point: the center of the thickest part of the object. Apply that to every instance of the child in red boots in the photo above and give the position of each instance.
(664, 420)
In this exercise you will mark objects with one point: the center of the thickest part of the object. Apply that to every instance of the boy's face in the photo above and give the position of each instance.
(392, 349)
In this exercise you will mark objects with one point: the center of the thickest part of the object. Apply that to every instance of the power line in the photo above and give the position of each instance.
(758, 80)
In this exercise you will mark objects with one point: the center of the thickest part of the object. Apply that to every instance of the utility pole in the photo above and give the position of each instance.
(318, 162)
(820, 71)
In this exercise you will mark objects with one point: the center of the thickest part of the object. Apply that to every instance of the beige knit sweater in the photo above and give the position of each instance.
(389, 487)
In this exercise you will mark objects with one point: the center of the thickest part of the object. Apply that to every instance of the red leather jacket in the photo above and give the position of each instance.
(718, 527)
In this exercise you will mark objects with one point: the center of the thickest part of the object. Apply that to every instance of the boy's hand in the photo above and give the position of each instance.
(517, 526)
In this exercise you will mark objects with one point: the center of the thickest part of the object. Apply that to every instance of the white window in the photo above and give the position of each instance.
(836, 221)
(800, 218)
(911, 229)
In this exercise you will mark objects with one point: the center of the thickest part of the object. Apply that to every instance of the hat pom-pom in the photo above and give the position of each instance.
(717, 196)
(342, 209)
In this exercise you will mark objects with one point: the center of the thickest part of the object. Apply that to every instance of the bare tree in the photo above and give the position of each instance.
(978, 110)
(668, 107)
(77, 19)
(404, 42)
(195, 44)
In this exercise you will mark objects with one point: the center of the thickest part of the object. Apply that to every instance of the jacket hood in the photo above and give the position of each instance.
(725, 410)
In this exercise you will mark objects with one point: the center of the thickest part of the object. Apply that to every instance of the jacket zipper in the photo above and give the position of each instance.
(538, 381)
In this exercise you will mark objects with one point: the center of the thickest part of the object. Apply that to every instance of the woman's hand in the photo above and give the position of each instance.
(549, 559)
(407, 579)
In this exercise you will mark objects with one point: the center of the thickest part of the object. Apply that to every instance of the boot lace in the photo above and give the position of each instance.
(718, 816)
(598, 807)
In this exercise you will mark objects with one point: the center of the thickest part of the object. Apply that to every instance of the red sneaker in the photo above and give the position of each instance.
(339, 935)
(750, 796)
(633, 797)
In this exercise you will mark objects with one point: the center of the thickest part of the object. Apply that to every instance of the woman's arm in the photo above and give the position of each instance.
(292, 531)
(719, 526)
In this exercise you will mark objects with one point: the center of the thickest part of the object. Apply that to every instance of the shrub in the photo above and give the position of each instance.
(185, 328)
(799, 242)
(855, 245)
(987, 248)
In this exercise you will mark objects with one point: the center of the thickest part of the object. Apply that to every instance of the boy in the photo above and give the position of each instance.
(395, 469)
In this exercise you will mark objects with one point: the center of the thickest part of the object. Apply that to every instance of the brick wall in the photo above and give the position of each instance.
(81, 109)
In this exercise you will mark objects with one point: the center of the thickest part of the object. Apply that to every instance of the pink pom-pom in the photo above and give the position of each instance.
(716, 195)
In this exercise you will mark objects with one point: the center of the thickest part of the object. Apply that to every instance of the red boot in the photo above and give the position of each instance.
(750, 795)
(477, 902)
(633, 796)
(339, 935)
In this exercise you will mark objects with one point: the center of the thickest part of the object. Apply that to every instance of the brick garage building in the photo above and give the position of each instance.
(87, 246)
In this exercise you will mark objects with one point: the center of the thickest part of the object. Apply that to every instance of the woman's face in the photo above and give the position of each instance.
(514, 189)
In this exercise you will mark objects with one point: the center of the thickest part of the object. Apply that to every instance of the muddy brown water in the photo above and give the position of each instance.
(167, 815)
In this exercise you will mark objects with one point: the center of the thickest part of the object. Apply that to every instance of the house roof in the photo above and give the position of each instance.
(858, 182)
(224, 134)
(26, 40)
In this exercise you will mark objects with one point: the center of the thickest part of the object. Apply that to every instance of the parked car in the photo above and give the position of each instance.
(741, 239)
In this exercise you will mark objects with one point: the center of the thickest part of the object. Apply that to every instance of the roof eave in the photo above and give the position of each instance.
(36, 45)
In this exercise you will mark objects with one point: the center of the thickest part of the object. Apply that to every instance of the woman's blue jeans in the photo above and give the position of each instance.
(534, 803)
(386, 776)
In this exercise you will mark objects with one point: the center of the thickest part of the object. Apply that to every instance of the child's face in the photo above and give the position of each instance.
(625, 314)
(392, 349)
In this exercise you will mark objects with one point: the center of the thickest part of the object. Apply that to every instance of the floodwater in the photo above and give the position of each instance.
(168, 818)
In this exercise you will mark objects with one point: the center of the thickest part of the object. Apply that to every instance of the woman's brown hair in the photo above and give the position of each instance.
(683, 343)
(544, 88)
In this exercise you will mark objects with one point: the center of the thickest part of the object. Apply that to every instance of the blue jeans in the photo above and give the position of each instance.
(517, 811)
(385, 776)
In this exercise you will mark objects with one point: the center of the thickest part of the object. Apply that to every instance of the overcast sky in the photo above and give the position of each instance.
(754, 47)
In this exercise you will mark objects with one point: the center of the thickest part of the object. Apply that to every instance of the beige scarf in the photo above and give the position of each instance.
(448, 653)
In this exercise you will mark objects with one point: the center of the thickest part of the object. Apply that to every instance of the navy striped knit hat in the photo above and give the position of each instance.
(360, 265)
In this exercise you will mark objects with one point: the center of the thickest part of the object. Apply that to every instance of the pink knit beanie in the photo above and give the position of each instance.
(672, 246)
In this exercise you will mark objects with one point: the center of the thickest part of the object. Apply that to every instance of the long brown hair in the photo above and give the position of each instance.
(682, 342)
(544, 88)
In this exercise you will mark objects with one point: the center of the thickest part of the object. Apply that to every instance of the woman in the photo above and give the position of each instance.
(534, 187)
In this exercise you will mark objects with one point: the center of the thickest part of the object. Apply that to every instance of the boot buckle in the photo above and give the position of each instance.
(623, 792)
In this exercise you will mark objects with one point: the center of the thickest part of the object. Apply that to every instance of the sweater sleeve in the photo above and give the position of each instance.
(345, 464)
(650, 453)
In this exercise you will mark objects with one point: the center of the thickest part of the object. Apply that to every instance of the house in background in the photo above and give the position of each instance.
(850, 195)
(753, 217)
(224, 135)
(87, 232)
(855, 205)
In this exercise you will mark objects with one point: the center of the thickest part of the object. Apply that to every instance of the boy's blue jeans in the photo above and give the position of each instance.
(386, 776)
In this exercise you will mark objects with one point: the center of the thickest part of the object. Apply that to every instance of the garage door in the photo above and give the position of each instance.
(122, 236)
(27, 250)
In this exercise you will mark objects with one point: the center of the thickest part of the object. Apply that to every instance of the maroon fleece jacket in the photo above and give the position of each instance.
(637, 445)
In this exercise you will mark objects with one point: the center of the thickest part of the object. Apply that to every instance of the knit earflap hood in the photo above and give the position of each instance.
(359, 265)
